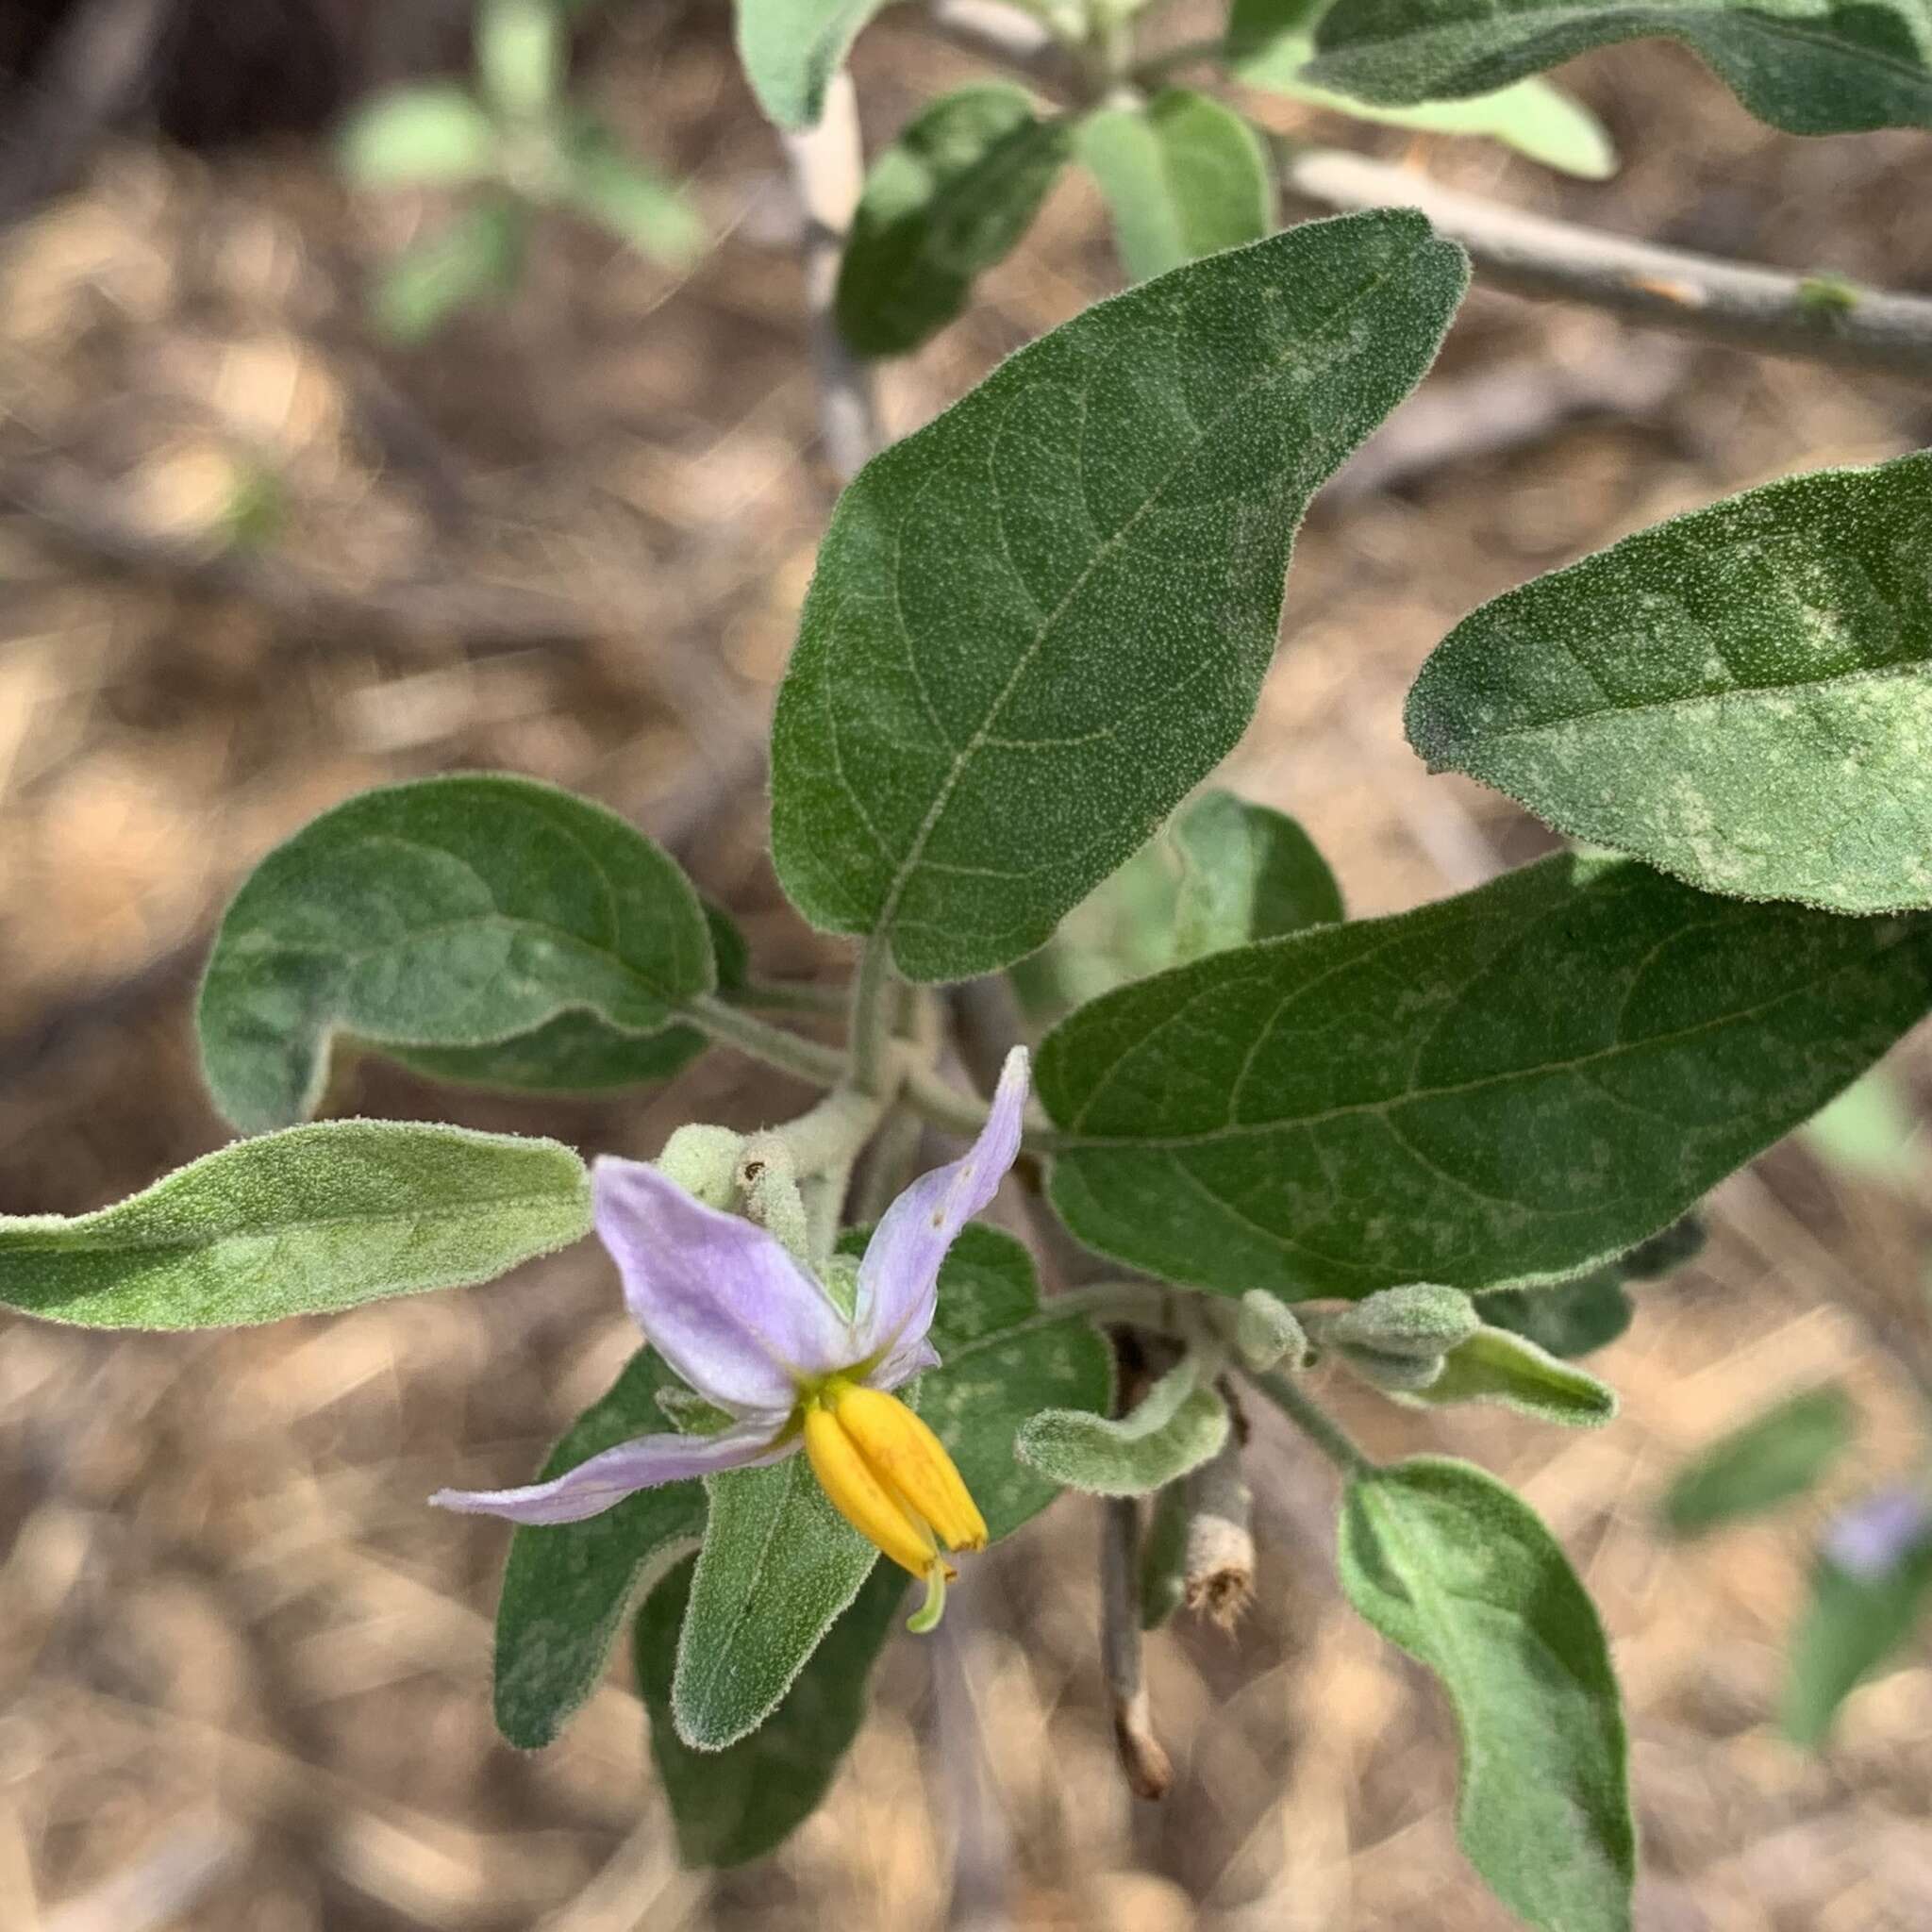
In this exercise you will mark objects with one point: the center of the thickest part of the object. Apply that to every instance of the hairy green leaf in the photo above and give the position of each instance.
(1851, 1624)
(948, 199)
(791, 48)
(1041, 620)
(1505, 1087)
(732, 1806)
(1539, 120)
(1182, 177)
(1809, 66)
(1496, 1366)
(302, 1223)
(456, 912)
(778, 1564)
(431, 134)
(567, 1586)
(1447, 1563)
(1767, 1462)
(1742, 695)
(1177, 1425)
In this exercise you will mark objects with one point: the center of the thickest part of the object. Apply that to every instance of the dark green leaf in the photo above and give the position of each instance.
(303, 1222)
(1447, 1562)
(1270, 44)
(1505, 1087)
(452, 912)
(732, 1806)
(1182, 177)
(1810, 66)
(432, 135)
(1742, 695)
(778, 1564)
(1039, 620)
(791, 48)
(1771, 1458)
(567, 1586)
(946, 201)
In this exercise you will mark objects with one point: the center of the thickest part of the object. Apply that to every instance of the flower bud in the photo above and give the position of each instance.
(1266, 1332)
(1419, 1320)
(1394, 1375)
(703, 1162)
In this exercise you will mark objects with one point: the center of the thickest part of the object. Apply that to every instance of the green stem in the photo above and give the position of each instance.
(824, 1066)
(788, 996)
(1314, 1421)
(873, 1008)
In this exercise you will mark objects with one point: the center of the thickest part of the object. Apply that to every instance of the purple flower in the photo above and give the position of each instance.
(1875, 1535)
(753, 1332)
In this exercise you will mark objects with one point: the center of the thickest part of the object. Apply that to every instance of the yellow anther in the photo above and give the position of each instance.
(860, 1498)
(911, 1461)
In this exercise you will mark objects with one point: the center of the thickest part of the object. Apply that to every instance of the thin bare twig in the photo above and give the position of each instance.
(1149, 1768)
(827, 172)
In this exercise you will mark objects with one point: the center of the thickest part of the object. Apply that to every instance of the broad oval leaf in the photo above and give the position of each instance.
(1176, 1427)
(732, 1806)
(791, 48)
(1505, 1087)
(948, 199)
(1809, 66)
(567, 1586)
(1742, 695)
(1460, 1573)
(304, 1222)
(1041, 620)
(1270, 42)
(1182, 177)
(1767, 1462)
(455, 912)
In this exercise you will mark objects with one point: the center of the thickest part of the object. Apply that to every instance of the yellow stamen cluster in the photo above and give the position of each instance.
(889, 1477)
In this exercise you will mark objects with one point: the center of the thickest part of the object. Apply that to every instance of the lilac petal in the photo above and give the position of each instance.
(609, 1479)
(898, 1279)
(1874, 1537)
(902, 1361)
(719, 1299)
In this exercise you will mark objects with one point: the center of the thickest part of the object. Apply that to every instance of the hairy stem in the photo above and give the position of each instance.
(1315, 1422)
(824, 1066)
(873, 1003)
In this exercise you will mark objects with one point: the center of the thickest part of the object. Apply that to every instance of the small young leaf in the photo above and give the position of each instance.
(1419, 1319)
(1175, 1428)
(1449, 1565)
(1506, 1086)
(1182, 177)
(946, 201)
(434, 135)
(791, 48)
(1589, 1311)
(303, 1222)
(1869, 1588)
(778, 1565)
(478, 257)
(1039, 620)
(1808, 66)
(520, 55)
(1496, 1366)
(1268, 45)
(732, 1806)
(1871, 1132)
(566, 1587)
(1771, 1458)
(1742, 695)
(451, 912)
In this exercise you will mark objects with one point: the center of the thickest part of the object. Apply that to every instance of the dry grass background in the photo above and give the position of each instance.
(243, 1672)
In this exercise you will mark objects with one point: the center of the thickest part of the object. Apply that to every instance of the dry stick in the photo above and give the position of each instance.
(1148, 1768)
(1533, 255)
(828, 171)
